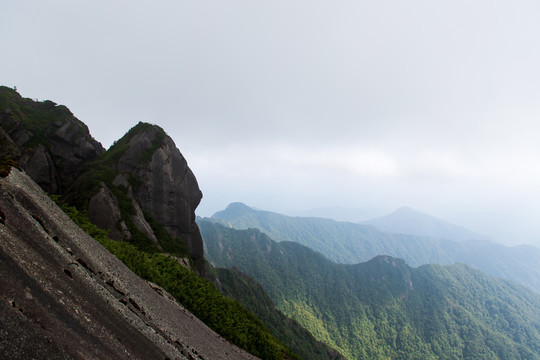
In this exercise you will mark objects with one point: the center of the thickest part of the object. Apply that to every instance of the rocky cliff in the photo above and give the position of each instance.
(143, 191)
(166, 188)
(65, 297)
(53, 145)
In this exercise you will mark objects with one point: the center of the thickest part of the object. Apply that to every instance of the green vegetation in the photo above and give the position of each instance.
(383, 309)
(37, 116)
(252, 296)
(224, 315)
(6, 164)
(351, 243)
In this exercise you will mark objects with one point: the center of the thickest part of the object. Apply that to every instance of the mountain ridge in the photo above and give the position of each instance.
(349, 243)
(407, 220)
(383, 307)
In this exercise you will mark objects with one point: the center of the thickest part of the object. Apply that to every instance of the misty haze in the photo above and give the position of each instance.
(279, 180)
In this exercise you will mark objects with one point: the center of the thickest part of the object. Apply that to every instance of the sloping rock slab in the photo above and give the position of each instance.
(64, 296)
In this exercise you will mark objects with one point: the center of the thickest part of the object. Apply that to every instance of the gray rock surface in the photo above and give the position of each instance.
(103, 211)
(40, 166)
(168, 189)
(140, 222)
(54, 145)
(63, 296)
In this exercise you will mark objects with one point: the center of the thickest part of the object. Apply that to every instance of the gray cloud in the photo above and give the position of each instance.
(296, 104)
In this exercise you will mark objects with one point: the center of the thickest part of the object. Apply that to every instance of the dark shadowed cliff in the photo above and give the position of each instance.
(53, 146)
(142, 191)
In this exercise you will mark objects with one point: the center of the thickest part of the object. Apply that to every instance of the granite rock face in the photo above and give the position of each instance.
(148, 191)
(104, 212)
(167, 188)
(54, 145)
(64, 296)
(57, 151)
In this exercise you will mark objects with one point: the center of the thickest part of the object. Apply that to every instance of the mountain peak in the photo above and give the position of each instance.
(234, 210)
(407, 220)
(406, 210)
(239, 206)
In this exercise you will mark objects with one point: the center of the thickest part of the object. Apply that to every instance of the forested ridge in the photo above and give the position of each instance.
(383, 308)
(351, 243)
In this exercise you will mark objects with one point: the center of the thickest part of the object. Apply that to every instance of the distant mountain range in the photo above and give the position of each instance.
(351, 243)
(406, 220)
(383, 308)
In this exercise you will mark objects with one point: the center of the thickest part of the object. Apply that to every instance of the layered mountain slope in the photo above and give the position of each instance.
(250, 294)
(351, 243)
(409, 221)
(64, 296)
(383, 308)
(53, 146)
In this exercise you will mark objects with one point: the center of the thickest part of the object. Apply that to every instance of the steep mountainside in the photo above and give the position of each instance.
(52, 145)
(63, 296)
(250, 294)
(409, 221)
(352, 243)
(383, 308)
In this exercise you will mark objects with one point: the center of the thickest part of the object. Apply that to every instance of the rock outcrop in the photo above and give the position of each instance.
(149, 180)
(65, 297)
(167, 189)
(55, 149)
(103, 211)
(54, 146)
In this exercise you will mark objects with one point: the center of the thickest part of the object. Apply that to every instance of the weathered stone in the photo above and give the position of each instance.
(64, 296)
(140, 222)
(39, 165)
(104, 212)
(59, 150)
(15, 129)
(7, 147)
(169, 190)
(121, 180)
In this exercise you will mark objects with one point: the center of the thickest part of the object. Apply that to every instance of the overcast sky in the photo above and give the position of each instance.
(292, 105)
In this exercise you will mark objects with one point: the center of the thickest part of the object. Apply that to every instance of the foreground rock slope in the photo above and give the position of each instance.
(64, 296)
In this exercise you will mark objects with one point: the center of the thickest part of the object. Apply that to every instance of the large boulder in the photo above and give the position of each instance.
(142, 190)
(167, 188)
